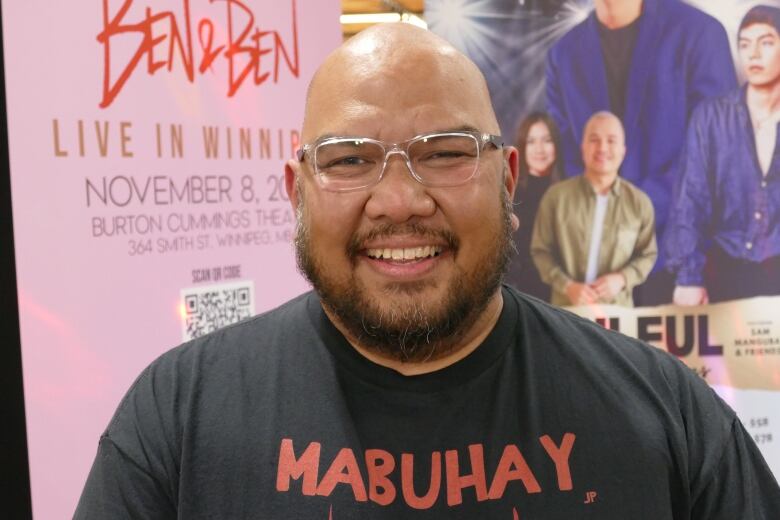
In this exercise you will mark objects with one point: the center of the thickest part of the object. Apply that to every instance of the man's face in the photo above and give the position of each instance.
(603, 146)
(759, 52)
(402, 266)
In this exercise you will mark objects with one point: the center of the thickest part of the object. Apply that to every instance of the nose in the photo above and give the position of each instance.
(755, 51)
(399, 197)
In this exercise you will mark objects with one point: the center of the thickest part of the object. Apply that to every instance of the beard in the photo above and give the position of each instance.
(410, 330)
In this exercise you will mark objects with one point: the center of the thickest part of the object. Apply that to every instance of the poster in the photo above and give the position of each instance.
(147, 141)
(713, 224)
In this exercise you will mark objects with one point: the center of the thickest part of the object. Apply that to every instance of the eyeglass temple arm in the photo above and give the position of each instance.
(495, 140)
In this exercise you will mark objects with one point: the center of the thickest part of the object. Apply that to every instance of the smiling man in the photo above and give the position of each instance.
(410, 384)
(411, 271)
(594, 235)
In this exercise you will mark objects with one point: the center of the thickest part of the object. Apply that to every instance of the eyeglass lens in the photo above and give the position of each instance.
(438, 160)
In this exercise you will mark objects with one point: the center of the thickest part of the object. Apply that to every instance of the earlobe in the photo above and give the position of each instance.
(515, 221)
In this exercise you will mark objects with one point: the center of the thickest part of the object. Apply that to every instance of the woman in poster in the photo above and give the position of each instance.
(540, 166)
(724, 240)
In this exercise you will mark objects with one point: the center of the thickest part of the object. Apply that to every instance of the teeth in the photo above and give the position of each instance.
(409, 253)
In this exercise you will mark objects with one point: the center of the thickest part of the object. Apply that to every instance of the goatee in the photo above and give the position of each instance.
(414, 330)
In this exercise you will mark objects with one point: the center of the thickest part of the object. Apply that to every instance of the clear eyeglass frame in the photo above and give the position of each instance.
(481, 139)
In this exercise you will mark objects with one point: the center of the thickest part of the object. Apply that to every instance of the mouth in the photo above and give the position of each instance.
(406, 254)
(403, 253)
(405, 264)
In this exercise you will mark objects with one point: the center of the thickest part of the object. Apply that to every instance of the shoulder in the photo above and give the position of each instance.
(571, 40)
(613, 362)
(580, 338)
(633, 194)
(261, 331)
(701, 32)
(719, 106)
(679, 12)
(562, 189)
(212, 363)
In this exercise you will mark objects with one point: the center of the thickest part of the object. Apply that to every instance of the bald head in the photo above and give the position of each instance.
(607, 118)
(603, 145)
(396, 71)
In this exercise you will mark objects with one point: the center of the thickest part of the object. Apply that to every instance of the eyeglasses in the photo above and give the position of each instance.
(437, 160)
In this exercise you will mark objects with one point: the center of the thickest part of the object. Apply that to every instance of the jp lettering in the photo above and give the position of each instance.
(162, 40)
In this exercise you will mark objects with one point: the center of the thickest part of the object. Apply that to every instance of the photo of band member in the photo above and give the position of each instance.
(723, 241)
(594, 234)
(650, 62)
(540, 166)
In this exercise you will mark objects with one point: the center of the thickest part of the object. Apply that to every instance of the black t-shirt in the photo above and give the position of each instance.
(617, 46)
(552, 417)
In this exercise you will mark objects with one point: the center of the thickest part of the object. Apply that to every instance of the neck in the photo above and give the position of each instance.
(764, 99)
(601, 182)
(615, 14)
(471, 340)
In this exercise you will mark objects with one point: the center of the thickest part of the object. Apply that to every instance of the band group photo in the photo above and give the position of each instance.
(651, 175)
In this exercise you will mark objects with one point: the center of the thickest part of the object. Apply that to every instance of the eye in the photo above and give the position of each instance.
(352, 160)
(445, 154)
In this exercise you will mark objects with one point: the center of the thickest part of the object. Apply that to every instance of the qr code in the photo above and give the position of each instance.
(209, 307)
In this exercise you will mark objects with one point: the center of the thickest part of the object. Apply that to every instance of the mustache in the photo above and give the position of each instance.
(414, 229)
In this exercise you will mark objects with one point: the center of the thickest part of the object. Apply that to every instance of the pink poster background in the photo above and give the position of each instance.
(99, 281)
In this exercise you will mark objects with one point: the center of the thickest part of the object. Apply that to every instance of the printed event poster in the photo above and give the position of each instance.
(668, 69)
(147, 140)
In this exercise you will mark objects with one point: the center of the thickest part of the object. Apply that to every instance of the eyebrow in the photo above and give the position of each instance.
(463, 128)
(767, 34)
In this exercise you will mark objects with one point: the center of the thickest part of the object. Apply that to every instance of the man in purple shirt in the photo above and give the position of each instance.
(723, 241)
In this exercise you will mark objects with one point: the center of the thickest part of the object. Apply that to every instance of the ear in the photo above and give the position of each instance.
(291, 171)
(511, 172)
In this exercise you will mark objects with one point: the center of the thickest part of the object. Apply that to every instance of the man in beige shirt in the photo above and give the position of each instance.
(594, 235)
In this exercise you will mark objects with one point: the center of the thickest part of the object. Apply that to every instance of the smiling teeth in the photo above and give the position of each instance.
(409, 253)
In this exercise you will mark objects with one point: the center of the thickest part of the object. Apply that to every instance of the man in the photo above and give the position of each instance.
(409, 384)
(650, 62)
(594, 238)
(724, 236)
